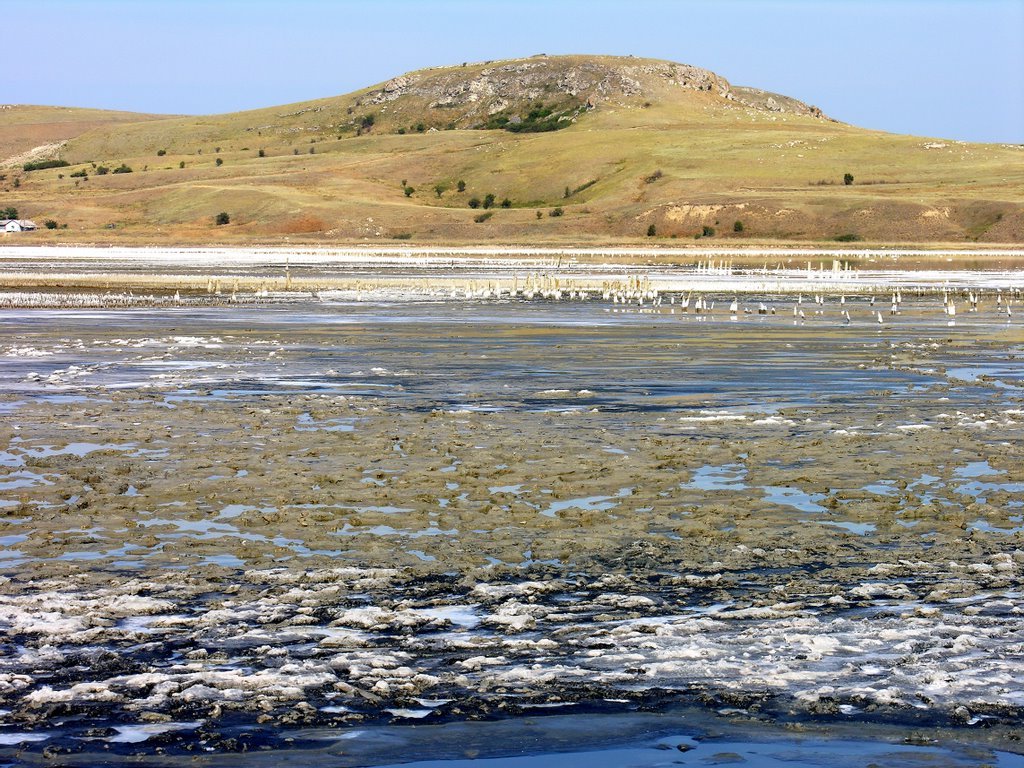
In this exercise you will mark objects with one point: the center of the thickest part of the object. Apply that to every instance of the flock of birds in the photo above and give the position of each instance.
(634, 291)
(638, 292)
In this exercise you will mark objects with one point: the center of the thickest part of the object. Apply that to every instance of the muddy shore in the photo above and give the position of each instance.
(334, 514)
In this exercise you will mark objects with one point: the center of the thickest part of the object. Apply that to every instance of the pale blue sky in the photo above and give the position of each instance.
(943, 68)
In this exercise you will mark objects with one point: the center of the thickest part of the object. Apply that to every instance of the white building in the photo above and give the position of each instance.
(16, 225)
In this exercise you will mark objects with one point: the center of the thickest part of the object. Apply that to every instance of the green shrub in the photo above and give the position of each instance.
(506, 203)
(366, 122)
(181, 164)
(122, 168)
(461, 186)
(555, 212)
(847, 179)
(488, 200)
(652, 230)
(219, 162)
(10, 212)
(440, 189)
(80, 174)
(40, 165)
(580, 188)
(222, 218)
(737, 226)
(849, 237)
(402, 236)
(474, 202)
(50, 224)
(261, 153)
(539, 119)
(540, 214)
(707, 231)
(653, 177)
(408, 191)
(161, 152)
(483, 217)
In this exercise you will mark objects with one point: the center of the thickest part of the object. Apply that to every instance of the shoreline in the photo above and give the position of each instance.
(251, 275)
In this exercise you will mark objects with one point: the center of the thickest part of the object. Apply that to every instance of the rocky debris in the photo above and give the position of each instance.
(495, 88)
(771, 102)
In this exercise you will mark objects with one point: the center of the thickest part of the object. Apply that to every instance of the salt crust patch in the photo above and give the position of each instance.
(909, 653)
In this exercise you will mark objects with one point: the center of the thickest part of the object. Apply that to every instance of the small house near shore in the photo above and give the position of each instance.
(16, 225)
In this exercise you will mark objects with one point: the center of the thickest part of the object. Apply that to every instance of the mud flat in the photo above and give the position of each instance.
(300, 524)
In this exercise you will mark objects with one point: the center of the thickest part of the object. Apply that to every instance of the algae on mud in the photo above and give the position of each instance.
(340, 514)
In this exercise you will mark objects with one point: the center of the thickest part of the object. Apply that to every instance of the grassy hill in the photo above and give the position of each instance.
(617, 145)
(28, 131)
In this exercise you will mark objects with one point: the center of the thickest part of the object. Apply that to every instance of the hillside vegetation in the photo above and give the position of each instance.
(28, 132)
(576, 149)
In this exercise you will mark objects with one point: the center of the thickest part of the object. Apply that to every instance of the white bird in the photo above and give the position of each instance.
(880, 320)
(734, 307)
(846, 315)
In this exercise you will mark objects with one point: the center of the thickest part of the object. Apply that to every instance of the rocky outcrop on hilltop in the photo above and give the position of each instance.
(474, 92)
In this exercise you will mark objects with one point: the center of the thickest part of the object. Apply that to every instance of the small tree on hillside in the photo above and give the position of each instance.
(488, 200)
(440, 189)
(652, 231)
(408, 191)
(737, 226)
(847, 179)
(474, 202)
(461, 186)
(222, 219)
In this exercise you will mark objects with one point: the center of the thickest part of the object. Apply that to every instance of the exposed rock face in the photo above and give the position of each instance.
(771, 102)
(477, 92)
